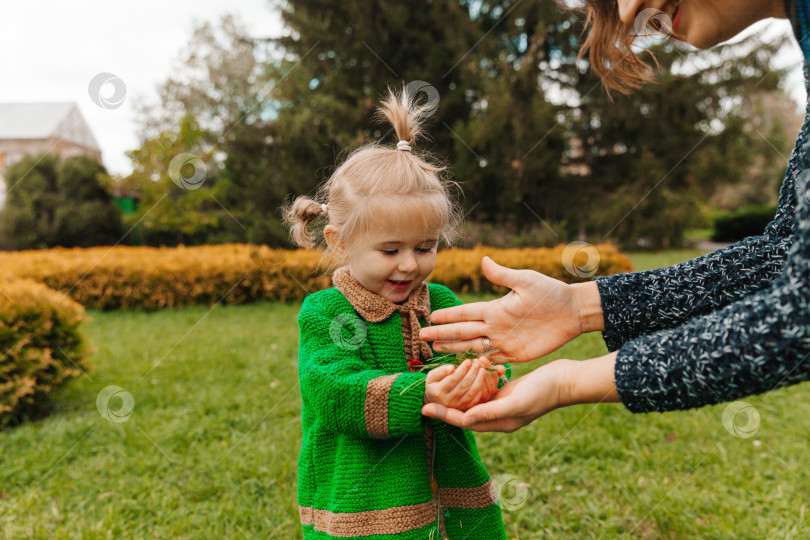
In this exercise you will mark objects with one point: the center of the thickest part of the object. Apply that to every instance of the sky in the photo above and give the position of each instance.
(53, 50)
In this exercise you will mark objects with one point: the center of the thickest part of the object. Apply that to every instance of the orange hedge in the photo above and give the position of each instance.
(152, 278)
(41, 346)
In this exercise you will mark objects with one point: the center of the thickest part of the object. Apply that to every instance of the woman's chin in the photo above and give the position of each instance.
(710, 35)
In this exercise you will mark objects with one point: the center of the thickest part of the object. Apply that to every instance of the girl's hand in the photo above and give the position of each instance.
(463, 387)
(516, 404)
(539, 315)
(521, 401)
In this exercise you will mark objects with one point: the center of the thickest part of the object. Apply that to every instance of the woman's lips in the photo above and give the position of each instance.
(399, 285)
(677, 19)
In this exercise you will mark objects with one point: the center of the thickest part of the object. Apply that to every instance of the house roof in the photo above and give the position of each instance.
(44, 120)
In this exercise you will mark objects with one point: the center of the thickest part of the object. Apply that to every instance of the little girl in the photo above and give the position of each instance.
(371, 465)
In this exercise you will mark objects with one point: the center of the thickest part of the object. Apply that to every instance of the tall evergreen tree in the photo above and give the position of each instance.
(526, 128)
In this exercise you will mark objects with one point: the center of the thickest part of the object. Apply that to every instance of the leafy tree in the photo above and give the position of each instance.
(175, 180)
(654, 156)
(510, 146)
(218, 78)
(526, 128)
(59, 203)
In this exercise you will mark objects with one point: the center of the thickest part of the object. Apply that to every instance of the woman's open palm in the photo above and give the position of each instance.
(536, 317)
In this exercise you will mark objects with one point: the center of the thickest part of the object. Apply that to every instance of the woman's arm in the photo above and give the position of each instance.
(644, 302)
(757, 344)
(541, 314)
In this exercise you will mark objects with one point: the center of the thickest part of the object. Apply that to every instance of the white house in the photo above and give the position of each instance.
(42, 128)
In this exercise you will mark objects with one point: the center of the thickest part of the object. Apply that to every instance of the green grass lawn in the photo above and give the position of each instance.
(210, 448)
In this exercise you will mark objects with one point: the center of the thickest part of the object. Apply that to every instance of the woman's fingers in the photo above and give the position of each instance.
(490, 411)
(447, 332)
(501, 275)
(506, 425)
(440, 412)
(470, 419)
(464, 312)
(455, 346)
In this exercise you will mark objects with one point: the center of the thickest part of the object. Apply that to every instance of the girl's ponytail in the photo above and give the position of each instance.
(300, 215)
(402, 112)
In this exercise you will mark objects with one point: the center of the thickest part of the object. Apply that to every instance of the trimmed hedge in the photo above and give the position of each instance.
(41, 346)
(460, 269)
(149, 278)
(749, 221)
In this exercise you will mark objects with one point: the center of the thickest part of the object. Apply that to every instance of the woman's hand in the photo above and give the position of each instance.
(539, 315)
(463, 387)
(523, 400)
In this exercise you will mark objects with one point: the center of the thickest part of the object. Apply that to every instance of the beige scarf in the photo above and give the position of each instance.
(374, 308)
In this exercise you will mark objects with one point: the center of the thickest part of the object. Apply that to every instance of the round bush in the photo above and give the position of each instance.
(41, 347)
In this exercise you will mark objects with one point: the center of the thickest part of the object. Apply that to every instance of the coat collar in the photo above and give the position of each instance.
(374, 308)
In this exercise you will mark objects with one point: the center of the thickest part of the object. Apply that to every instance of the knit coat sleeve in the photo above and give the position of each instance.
(643, 302)
(346, 393)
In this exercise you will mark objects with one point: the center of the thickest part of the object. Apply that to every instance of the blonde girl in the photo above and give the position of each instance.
(370, 464)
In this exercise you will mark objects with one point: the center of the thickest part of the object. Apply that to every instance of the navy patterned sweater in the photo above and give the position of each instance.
(728, 324)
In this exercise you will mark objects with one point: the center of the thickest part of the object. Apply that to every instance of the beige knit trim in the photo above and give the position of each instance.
(395, 520)
(474, 497)
(375, 409)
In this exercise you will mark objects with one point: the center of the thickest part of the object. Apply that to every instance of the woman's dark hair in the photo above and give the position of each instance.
(609, 46)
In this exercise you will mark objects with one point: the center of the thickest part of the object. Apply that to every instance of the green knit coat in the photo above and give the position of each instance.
(371, 465)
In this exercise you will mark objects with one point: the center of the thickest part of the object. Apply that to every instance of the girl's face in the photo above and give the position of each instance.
(393, 261)
(705, 23)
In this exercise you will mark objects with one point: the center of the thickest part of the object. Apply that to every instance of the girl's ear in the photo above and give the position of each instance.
(333, 241)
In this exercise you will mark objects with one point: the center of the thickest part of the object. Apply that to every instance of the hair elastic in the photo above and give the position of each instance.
(403, 145)
(323, 208)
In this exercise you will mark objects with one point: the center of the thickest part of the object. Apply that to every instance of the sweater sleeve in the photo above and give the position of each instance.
(756, 344)
(344, 392)
(642, 302)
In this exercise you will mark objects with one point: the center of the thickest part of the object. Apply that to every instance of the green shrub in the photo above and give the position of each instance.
(58, 203)
(41, 347)
(750, 221)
